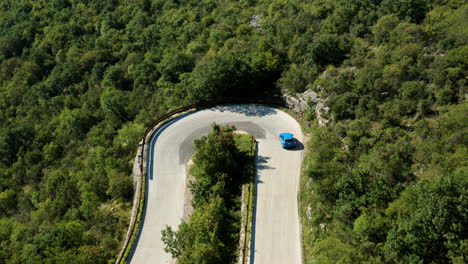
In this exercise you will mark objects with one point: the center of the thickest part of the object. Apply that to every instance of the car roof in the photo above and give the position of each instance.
(287, 135)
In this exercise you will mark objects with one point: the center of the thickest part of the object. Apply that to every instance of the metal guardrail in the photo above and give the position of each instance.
(199, 105)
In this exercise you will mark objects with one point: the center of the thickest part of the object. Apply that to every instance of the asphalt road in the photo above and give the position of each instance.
(275, 231)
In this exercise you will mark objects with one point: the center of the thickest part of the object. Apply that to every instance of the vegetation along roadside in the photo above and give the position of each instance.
(222, 165)
(80, 81)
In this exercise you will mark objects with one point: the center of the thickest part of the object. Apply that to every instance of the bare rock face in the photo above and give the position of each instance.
(321, 110)
(302, 102)
(255, 22)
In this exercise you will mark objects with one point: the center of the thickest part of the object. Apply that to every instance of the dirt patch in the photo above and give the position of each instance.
(240, 132)
(188, 208)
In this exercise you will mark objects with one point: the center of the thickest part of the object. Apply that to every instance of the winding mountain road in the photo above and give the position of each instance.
(275, 229)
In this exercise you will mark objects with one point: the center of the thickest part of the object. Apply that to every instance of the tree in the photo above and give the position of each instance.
(429, 221)
(113, 103)
(201, 239)
(216, 165)
(328, 49)
(62, 191)
(221, 75)
(343, 107)
(7, 202)
(415, 10)
(384, 26)
(296, 78)
(332, 250)
(120, 187)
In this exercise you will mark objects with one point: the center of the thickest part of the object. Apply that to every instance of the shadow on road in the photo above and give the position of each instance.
(261, 163)
(152, 142)
(248, 110)
(299, 146)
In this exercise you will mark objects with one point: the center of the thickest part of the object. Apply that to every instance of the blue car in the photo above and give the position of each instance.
(287, 140)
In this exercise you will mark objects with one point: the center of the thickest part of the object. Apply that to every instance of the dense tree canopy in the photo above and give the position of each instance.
(80, 81)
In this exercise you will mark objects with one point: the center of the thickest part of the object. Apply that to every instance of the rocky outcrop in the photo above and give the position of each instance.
(302, 102)
(321, 112)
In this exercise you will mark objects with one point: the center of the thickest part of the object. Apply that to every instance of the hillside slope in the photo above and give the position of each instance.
(80, 81)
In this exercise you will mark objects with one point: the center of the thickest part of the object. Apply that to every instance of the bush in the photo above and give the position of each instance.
(329, 49)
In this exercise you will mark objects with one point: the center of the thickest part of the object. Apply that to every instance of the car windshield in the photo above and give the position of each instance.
(289, 140)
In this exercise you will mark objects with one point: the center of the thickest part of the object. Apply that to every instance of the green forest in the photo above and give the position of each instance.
(385, 182)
